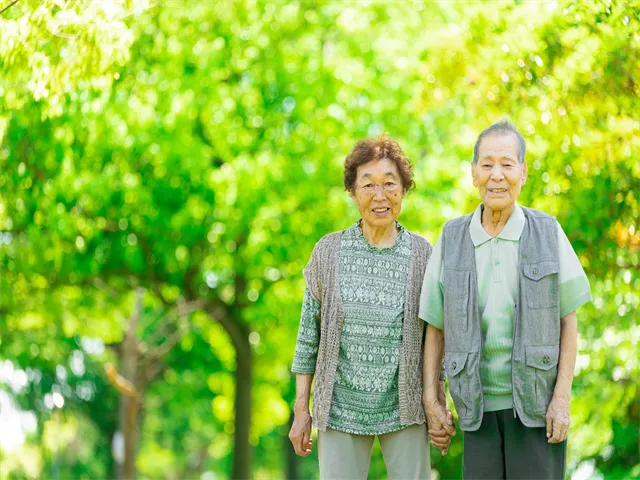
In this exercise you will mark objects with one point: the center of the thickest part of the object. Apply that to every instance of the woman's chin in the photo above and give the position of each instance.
(379, 221)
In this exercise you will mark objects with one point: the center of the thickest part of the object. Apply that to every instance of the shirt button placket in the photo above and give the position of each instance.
(495, 260)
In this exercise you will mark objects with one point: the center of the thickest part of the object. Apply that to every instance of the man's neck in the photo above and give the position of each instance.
(493, 221)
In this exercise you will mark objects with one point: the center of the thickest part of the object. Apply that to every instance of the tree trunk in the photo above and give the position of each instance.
(229, 319)
(242, 449)
(129, 383)
(129, 410)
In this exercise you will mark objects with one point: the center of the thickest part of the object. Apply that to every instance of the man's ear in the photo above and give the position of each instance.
(525, 172)
(473, 174)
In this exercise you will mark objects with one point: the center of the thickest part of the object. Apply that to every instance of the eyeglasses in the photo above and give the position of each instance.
(370, 188)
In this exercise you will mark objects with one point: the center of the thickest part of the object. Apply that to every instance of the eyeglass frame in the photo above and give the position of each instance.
(371, 188)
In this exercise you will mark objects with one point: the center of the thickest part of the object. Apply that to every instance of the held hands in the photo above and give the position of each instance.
(558, 419)
(439, 420)
(300, 433)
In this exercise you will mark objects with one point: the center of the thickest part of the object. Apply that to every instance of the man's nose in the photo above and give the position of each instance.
(497, 173)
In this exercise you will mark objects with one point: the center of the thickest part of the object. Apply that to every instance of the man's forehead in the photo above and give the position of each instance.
(504, 143)
(501, 139)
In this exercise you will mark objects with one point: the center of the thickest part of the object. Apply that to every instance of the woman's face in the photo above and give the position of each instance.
(378, 193)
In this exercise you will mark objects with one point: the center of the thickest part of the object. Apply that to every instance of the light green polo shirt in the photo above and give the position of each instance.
(497, 272)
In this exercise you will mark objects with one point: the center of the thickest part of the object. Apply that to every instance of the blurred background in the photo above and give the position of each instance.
(167, 167)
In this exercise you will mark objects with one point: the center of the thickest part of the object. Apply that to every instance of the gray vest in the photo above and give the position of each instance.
(536, 330)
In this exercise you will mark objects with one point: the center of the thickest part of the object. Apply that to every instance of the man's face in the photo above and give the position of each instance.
(378, 193)
(498, 175)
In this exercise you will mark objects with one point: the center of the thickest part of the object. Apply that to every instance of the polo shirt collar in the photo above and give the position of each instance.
(511, 231)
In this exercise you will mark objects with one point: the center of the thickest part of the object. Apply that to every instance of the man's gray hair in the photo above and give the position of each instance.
(501, 128)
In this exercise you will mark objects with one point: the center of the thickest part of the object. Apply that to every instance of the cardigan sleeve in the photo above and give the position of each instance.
(304, 359)
(312, 272)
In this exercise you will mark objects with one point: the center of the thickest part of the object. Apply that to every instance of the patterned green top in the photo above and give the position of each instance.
(372, 285)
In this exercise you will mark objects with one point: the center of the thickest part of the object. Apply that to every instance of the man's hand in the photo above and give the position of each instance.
(300, 433)
(439, 421)
(558, 419)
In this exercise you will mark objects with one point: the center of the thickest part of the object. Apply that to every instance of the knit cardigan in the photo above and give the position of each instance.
(322, 277)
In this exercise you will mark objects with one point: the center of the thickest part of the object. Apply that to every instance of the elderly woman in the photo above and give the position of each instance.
(500, 295)
(360, 334)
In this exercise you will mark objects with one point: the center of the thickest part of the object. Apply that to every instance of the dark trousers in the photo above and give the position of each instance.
(503, 448)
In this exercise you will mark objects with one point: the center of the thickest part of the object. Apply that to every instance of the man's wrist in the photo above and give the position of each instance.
(562, 394)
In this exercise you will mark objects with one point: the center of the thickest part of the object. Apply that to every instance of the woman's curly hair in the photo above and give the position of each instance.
(371, 149)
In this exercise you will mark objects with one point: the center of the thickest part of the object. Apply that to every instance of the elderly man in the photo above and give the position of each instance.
(499, 296)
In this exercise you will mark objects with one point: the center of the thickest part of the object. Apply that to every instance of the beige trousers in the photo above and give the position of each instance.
(343, 456)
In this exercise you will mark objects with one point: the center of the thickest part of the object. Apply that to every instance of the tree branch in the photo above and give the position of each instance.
(183, 309)
(236, 331)
(165, 347)
(122, 384)
(8, 6)
(135, 316)
(201, 131)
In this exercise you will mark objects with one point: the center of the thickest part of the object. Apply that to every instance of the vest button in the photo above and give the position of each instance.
(454, 365)
(546, 359)
(535, 271)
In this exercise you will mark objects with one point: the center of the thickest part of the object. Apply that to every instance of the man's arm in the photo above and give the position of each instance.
(439, 419)
(558, 415)
(300, 433)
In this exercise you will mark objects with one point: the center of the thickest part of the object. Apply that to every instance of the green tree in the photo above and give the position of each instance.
(164, 181)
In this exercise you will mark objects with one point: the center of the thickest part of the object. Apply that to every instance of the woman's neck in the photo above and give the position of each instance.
(380, 237)
(493, 221)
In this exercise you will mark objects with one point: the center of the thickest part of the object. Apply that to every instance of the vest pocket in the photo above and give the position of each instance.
(541, 284)
(456, 298)
(542, 370)
(454, 365)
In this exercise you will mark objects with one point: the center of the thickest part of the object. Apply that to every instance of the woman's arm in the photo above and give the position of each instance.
(300, 433)
(304, 366)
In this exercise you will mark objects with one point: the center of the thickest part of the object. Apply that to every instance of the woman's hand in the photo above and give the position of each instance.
(300, 433)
